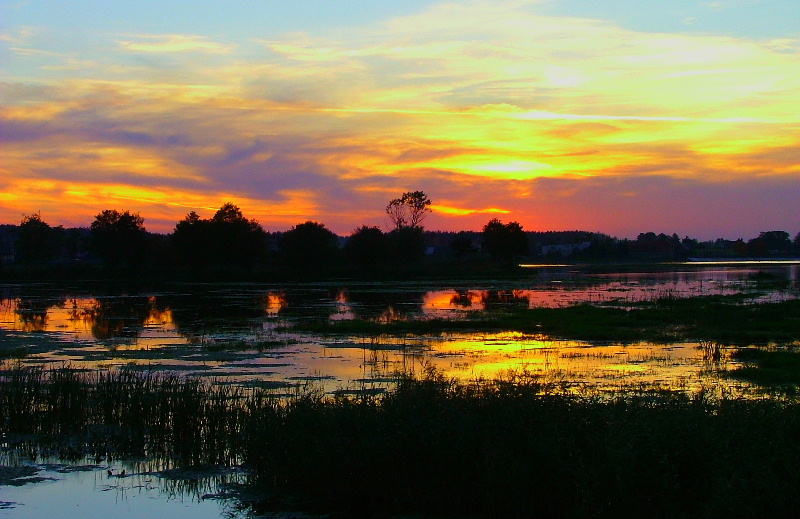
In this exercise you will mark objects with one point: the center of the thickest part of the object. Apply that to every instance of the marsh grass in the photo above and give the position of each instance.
(517, 446)
(769, 367)
(120, 413)
(721, 319)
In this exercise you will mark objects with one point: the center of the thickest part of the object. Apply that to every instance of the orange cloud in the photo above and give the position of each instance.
(485, 106)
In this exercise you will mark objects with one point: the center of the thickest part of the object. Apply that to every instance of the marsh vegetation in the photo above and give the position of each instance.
(514, 447)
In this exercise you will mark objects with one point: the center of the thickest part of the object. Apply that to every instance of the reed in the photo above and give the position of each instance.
(511, 447)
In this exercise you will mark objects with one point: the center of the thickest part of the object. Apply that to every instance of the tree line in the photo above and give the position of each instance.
(230, 244)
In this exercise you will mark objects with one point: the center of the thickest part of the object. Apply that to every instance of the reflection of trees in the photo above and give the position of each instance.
(197, 315)
(491, 299)
(118, 317)
(505, 298)
(32, 314)
(384, 305)
(461, 298)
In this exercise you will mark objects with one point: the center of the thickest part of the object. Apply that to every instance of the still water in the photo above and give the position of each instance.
(247, 334)
(243, 333)
(87, 491)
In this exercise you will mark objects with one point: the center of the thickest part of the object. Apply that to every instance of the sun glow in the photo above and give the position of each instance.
(329, 126)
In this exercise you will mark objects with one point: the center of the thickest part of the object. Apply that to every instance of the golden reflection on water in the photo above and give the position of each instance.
(489, 356)
(441, 302)
(158, 330)
(74, 317)
(274, 302)
(251, 343)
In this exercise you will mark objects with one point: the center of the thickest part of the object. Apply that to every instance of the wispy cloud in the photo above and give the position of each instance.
(175, 43)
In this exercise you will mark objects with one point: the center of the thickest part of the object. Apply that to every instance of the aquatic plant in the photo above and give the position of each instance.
(516, 446)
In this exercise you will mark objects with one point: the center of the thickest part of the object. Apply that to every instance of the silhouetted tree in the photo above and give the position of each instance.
(407, 244)
(797, 244)
(655, 246)
(239, 241)
(462, 244)
(190, 240)
(118, 317)
(504, 241)
(770, 243)
(226, 240)
(37, 242)
(409, 210)
(119, 239)
(367, 247)
(309, 247)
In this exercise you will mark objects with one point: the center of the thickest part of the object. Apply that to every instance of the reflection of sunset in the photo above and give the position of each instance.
(158, 329)
(160, 318)
(229, 331)
(273, 303)
(390, 315)
(74, 317)
(451, 300)
(344, 312)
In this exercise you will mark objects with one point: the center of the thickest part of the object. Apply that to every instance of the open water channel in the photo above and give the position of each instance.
(248, 334)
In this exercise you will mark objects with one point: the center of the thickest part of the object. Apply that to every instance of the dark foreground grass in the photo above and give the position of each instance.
(433, 447)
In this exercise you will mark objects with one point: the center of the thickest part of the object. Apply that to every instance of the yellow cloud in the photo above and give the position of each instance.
(460, 211)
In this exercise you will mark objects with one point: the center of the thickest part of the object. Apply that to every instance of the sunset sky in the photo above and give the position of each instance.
(621, 116)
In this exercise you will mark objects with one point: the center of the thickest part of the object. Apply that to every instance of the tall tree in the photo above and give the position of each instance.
(504, 241)
(37, 242)
(309, 247)
(226, 240)
(409, 210)
(367, 247)
(239, 241)
(119, 239)
(770, 243)
(190, 239)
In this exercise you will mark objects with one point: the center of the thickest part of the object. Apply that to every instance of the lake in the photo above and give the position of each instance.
(252, 335)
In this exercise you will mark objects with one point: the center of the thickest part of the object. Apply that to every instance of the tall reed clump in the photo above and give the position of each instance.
(123, 413)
